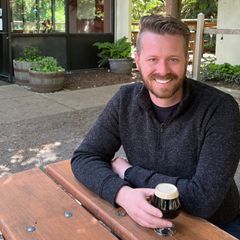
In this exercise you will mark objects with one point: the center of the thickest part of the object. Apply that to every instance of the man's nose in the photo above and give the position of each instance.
(162, 68)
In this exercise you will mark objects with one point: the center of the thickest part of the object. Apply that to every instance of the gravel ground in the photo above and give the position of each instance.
(96, 78)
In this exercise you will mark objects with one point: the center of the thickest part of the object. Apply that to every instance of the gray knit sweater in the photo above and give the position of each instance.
(197, 149)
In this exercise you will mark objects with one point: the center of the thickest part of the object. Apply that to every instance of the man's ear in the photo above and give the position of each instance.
(136, 58)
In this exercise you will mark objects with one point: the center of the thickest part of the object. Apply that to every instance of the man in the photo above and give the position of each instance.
(173, 129)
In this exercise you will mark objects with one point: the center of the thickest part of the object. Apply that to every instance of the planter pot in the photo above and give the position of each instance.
(46, 82)
(21, 71)
(122, 66)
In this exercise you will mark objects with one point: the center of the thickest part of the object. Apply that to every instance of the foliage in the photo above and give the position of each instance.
(191, 8)
(47, 64)
(146, 7)
(31, 14)
(220, 72)
(209, 47)
(119, 49)
(30, 54)
(60, 11)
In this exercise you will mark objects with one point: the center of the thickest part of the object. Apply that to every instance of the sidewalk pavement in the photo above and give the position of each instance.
(37, 129)
(17, 103)
(40, 128)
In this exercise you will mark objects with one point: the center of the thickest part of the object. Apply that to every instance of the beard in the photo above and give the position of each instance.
(172, 88)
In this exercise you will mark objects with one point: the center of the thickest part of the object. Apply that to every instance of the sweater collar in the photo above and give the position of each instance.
(145, 102)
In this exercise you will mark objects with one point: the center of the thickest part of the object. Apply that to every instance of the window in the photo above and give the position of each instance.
(37, 16)
(86, 16)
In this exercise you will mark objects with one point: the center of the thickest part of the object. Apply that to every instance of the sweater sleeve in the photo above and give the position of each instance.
(219, 156)
(91, 161)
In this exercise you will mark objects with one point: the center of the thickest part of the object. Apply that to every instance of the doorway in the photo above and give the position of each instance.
(5, 55)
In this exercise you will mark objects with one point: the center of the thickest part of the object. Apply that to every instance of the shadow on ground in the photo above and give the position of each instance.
(38, 141)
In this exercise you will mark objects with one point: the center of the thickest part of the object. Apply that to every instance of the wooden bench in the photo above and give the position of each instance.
(55, 206)
(188, 227)
(32, 206)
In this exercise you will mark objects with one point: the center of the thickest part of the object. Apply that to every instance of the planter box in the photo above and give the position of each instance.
(46, 82)
(121, 66)
(21, 71)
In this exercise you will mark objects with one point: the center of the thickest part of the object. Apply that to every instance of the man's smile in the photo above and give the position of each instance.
(162, 81)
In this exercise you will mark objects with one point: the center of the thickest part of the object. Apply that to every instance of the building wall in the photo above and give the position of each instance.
(123, 19)
(227, 46)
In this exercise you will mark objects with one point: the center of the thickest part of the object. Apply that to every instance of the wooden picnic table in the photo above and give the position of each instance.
(54, 205)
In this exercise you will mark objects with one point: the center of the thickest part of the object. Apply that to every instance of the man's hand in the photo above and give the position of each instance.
(120, 165)
(136, 204)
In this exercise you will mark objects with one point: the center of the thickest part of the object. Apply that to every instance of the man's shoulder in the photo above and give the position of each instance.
(204, 89)
(131, 87)
(130, 90)
(199, 85)
(206, 94)
(127, 93)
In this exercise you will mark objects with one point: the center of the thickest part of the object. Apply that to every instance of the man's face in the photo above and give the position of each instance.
(162, 63)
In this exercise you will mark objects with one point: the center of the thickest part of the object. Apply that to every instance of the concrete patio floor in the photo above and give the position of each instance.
(37, 129)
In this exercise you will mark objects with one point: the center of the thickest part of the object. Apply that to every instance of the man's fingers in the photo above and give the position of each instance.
(155, 224)
(147, 220)
(135, 202)
(148, 191)
(148, 207)
(153, 211)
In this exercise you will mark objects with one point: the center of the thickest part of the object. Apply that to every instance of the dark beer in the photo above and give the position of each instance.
(166, 198)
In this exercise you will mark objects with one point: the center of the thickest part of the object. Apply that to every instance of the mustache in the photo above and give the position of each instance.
(165, 77)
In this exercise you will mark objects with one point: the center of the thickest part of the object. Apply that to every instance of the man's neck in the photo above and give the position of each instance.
(165, 102)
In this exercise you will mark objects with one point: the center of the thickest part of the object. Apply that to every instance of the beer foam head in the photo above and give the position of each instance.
(166, 191)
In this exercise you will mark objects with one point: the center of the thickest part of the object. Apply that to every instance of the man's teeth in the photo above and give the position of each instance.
(162, 81)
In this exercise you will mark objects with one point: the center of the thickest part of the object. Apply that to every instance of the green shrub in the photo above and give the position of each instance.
(47, 64)
(30, 54)
(119, 49)
(209, 47)
(220, 72)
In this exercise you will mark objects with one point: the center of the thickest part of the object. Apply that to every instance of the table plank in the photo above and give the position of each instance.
(188, 227)
(32, 199)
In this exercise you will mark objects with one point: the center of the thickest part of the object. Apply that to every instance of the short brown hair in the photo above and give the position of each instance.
(161, 25)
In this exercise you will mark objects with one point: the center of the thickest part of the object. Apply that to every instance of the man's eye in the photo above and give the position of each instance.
(152, 60)
(174, 60)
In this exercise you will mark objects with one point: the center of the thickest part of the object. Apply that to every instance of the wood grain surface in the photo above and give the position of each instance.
(32, 199)
(188, 227)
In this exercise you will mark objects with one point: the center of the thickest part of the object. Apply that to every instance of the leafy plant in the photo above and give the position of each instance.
(47, 64)
(146, 7)
(191, 8)
(30, 54)
(119, 49)
(220, 72)
(209, 43)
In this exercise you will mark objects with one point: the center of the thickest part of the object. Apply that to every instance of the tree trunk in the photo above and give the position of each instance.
(173, 8)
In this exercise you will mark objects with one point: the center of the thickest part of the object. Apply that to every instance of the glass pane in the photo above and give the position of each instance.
(87, 16)
(60, 19)
(38, 16)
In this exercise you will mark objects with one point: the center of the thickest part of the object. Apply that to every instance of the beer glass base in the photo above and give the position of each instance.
(165, 231)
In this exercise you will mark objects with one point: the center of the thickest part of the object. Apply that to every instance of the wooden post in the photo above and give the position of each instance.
(173, 8)
(198, 47)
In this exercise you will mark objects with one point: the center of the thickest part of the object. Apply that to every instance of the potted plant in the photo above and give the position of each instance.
(46, 76)
(21, 66)
(117, 54)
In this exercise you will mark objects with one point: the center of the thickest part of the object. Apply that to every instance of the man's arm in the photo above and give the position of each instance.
(91, 162)
(204, 192)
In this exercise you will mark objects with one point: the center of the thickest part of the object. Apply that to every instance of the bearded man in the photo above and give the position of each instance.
(173, 130)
